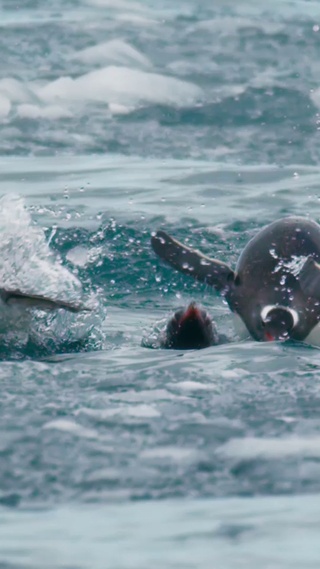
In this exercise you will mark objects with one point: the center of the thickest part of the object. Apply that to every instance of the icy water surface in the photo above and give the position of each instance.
(117, 119)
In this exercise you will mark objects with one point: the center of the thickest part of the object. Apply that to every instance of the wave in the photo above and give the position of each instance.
(272, 106)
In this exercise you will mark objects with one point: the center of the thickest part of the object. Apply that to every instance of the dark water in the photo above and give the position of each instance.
(117, 119)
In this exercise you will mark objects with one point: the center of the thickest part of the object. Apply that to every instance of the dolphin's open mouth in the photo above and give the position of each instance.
(191, 313)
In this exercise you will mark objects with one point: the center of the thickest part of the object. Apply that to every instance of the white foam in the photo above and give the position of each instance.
(120, 85)
(26, 260)
(82, 256)
(251, 448)
(114, 51)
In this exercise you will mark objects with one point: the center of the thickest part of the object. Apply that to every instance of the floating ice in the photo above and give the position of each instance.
(50, 112)
(120, 85)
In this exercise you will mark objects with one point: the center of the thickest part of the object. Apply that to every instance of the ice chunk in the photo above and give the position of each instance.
(114, 51)
(121, 85)
(50, 112)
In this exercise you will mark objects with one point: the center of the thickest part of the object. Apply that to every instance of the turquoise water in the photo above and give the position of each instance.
(118, 118)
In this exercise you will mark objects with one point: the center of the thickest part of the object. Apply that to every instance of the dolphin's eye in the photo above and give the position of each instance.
(237, 281)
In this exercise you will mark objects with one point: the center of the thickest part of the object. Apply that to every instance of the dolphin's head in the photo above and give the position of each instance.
(274, 313)
(190, 328)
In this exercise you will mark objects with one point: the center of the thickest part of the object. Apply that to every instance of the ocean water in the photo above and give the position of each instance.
(117, 118)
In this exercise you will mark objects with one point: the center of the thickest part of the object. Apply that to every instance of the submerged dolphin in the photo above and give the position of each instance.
(274, 290)
(26, 300)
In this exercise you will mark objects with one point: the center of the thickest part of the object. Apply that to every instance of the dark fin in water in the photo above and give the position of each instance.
(190, 328)
(40, 302)
(192, 262)
(309, 278)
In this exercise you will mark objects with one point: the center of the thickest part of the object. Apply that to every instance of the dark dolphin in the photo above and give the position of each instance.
(190, 328)
(275, 287)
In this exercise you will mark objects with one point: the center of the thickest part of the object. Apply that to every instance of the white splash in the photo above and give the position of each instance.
(28, 265)
(293, 266)
(26, 260)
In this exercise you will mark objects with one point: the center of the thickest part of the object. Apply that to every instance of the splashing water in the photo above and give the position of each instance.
(28, 265)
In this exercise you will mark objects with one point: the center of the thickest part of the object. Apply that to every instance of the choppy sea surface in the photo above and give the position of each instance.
(119, 117)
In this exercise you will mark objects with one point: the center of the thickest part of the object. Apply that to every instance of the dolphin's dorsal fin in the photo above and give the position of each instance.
(26, 300)
(192, 262)
(309, 278)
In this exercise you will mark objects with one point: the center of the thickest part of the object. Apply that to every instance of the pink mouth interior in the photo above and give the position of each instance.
(191, 312)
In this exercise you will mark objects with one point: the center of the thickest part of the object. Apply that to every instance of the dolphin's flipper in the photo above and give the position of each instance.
(192, 262)
(26, 300)
(309, 278)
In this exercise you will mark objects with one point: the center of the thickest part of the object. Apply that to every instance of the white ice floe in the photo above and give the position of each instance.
(121, 85)
(49, 112)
